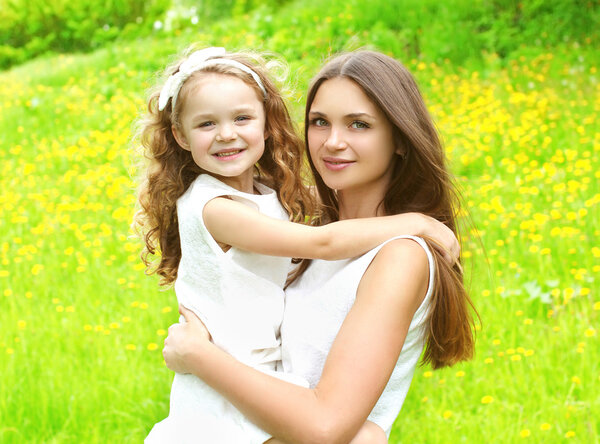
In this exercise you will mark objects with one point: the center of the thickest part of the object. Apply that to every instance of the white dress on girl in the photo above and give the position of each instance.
(315, 308)
(239, 297)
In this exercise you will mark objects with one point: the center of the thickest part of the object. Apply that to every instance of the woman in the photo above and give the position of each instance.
(355, 328)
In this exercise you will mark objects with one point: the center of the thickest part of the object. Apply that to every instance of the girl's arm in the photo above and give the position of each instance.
(233, 223)
(357, 369)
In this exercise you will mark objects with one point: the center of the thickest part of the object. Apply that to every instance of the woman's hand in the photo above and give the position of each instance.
(441, 234)
(183, 340)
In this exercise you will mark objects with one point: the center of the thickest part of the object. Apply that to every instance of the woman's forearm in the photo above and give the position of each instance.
(288, 412)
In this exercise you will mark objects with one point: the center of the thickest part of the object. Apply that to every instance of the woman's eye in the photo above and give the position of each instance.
(319, 122)
(359, 124)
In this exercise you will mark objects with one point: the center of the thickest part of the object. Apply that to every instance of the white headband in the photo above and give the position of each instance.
(195, 62)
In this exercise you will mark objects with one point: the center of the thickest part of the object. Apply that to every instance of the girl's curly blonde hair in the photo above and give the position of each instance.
(170, 169)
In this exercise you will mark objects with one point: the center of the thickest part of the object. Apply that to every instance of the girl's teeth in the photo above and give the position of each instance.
(230, 153)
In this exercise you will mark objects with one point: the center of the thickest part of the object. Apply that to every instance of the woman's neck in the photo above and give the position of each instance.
(354, 205)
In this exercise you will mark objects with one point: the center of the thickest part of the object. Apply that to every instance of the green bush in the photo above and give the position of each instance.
(29, 28)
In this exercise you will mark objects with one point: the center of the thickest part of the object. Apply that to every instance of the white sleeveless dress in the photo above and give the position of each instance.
(315, 308)
(239, 297)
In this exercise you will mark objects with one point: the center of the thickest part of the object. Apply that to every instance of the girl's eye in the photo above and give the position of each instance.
(318, 122)
(359, 124)
(205, 124)
(242, 118)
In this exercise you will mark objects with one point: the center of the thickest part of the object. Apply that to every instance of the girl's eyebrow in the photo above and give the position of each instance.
(235, 110)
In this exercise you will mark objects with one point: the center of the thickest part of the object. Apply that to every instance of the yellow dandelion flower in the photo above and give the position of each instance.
(447, 414)
(9, 351)
(87, 327)
(425, 399)
(525, 433)
(36, 269)
(496, 342)
(152, 346)
(545, 427)
(590, 332)
(570, 434)
(130, 347)
(428, 374)
(487, 399)
(528, 321)
(161, 332)
(576, 380)
(515, 358)
(460, 374)
(21, 325)
(126, 319)
(166, 310)
(143, 306)
(519, 313)
(597, 306)
(4, 273)
(488, 361)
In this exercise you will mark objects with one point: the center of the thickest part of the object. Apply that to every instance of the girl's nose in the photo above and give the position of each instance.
(226, 133)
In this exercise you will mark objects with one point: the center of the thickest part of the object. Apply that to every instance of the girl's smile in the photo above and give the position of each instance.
(223, 125)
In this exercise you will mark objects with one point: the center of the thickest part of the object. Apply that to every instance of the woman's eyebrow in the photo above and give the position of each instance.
(359, 115)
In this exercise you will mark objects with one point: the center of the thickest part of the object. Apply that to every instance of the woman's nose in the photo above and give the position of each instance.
(335, 140)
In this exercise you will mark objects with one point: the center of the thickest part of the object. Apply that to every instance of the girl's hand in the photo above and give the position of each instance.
(183, 340)
(443, 235)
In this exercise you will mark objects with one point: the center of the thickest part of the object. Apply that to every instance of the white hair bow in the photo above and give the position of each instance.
(195, 62)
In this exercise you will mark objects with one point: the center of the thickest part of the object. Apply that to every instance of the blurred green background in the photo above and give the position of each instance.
(513, 87)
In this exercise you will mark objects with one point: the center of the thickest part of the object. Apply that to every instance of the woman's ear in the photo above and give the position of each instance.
(400, 147)
(180, 138)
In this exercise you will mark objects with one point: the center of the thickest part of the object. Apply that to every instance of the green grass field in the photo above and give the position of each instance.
(83, 327)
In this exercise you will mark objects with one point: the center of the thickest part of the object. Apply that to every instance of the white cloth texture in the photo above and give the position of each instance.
(315, 308)
(239, 297)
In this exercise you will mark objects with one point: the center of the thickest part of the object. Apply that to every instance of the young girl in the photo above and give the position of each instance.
(355, 328)
(224, 178)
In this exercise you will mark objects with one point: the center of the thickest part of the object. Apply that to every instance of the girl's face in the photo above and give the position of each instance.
(223, 125)
(350, 139)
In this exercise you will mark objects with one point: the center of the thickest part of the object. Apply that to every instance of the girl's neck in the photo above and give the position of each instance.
(243, 183)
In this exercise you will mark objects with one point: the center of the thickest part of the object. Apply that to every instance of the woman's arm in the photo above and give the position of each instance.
(357, 369)
(233, 223)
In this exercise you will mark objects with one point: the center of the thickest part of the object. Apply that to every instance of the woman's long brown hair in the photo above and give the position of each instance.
(171, 169)
(420, 183)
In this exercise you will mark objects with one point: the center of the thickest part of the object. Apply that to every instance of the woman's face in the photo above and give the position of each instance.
(350, 139)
